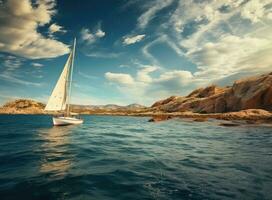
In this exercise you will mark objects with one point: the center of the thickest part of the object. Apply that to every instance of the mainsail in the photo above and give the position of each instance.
(58, 98)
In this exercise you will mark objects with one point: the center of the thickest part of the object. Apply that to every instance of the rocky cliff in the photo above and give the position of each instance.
(248, 93)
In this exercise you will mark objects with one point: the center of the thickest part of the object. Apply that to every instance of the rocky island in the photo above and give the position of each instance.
(247, 99)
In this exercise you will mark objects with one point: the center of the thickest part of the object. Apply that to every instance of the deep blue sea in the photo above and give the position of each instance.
(130, 158)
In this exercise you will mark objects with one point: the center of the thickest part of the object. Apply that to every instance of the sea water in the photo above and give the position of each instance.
(129, 158)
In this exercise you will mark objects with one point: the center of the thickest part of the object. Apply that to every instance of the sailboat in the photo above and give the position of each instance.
(60, 98)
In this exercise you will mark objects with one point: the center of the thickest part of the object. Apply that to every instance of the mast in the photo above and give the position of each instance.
(70, 79)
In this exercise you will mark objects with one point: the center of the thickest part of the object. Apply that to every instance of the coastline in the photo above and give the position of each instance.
(249, 116)
(248, 99)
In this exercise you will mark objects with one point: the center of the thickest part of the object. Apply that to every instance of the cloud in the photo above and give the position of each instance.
(151, 87)
(147, 54)
(89, 37)
(255, 10)
(144, 78)
(53, 28)
(36, 64)
(231, 54)
(181, 75)
(11, 78)
(11, 63)
(133, 39)
(151, 12)
(220, 37)
(143, 74)
(220, 48)
(163, 38)
(103, 54)
(172, 82)
(10, 72)
(87, 76)
(19, 24)
(123, 79)
(99, 33)
(124, 66)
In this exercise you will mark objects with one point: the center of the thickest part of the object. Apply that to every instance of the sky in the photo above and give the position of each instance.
(131, 51)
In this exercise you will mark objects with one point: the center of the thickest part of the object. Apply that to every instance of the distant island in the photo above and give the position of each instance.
(247, 99)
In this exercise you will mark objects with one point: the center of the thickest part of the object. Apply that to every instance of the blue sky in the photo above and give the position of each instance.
(131, 51)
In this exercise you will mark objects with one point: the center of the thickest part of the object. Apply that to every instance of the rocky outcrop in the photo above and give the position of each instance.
(23, 106)
(249, 93)
(251, 116)
(206, 92)
(158, 118)
(165, 101)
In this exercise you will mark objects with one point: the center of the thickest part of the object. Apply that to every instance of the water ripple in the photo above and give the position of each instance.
(129, 158)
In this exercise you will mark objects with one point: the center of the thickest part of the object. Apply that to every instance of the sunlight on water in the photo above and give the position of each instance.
(55, 139)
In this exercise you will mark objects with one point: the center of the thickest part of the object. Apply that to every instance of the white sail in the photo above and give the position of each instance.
(58, 98)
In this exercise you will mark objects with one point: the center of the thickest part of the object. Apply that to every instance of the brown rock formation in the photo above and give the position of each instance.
(251, 116)
(206, 92)
(250, 93)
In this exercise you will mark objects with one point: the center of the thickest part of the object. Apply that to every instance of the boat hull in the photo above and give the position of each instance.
(64, 121)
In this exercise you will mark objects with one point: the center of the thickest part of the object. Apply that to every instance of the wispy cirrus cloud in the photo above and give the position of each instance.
(10, 71)
(103, 54)
(87, 76)
(19, 23)
(11, 63)
(15, 79)
(124, 66)
(161, 39)
(35, 64)
(153, 8)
